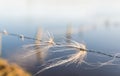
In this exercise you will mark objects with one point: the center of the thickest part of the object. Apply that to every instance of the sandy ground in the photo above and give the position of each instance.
(7, 69)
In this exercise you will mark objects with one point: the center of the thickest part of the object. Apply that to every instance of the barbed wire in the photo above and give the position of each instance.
(98, 52)
(19, 35)
(30, 38)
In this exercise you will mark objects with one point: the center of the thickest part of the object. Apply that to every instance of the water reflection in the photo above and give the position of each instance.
(108, 23)
(69, 33)
(36, 53)
(0, 44)
(39, 55)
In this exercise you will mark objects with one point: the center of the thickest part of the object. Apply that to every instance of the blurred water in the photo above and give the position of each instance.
(104, 38)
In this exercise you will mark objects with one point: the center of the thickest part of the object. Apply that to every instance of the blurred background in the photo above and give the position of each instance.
(96, 23)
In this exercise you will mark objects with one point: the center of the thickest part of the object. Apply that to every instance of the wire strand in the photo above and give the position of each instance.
(88, 50)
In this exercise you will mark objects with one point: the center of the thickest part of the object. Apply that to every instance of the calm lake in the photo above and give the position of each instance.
(103, 37)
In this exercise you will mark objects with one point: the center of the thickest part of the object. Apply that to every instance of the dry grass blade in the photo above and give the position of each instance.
(78, 57)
